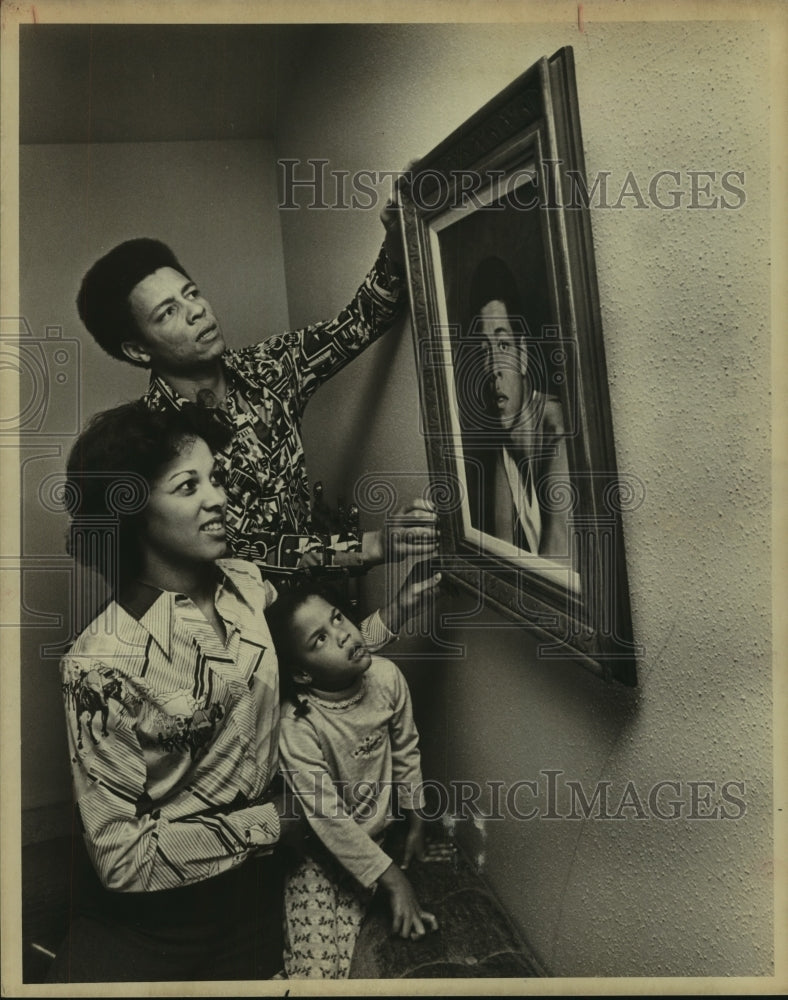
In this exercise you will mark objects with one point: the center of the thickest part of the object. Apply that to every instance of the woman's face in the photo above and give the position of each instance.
(184, 519)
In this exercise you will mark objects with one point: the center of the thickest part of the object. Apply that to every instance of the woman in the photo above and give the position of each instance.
(172, 710)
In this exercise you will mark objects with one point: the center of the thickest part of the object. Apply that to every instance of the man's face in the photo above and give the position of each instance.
(506, 362)
(178, 332)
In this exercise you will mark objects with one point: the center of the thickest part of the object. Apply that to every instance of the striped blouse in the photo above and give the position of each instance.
(173, 733)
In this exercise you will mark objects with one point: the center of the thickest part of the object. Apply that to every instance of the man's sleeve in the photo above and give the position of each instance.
(328, 816)
(134, 849)
(313, 354)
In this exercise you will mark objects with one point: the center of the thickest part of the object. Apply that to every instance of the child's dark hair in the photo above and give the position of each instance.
(292, 594)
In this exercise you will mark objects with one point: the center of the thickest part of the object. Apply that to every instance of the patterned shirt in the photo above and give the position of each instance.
(173, 732)
(268, 386)
(342, 758)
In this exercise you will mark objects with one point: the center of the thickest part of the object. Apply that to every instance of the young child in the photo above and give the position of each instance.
(346, 736)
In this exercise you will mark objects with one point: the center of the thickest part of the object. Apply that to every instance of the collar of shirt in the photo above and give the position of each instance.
(339, 700)
(154, 608)
(245, 401)
(159, 390)
(161, 394)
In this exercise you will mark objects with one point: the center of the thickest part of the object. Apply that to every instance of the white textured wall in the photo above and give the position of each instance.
(684, 298)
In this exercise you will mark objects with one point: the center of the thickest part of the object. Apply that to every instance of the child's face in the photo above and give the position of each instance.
(329, 648)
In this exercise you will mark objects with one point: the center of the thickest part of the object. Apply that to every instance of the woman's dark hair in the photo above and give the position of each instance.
(292, 594)
(112, 465)
(103, 299)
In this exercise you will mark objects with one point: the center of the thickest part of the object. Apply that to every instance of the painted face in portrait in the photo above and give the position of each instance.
(506, 361)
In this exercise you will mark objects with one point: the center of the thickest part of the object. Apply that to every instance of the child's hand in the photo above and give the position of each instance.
(408, 918)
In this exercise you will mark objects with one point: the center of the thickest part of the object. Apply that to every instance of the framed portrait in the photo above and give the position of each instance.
(513, 383)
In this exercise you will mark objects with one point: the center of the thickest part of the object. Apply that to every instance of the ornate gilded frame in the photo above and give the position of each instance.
(511, 180)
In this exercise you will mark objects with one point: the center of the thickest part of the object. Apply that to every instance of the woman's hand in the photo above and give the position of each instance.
(417, 589)
(408, 918)
(411, 532)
